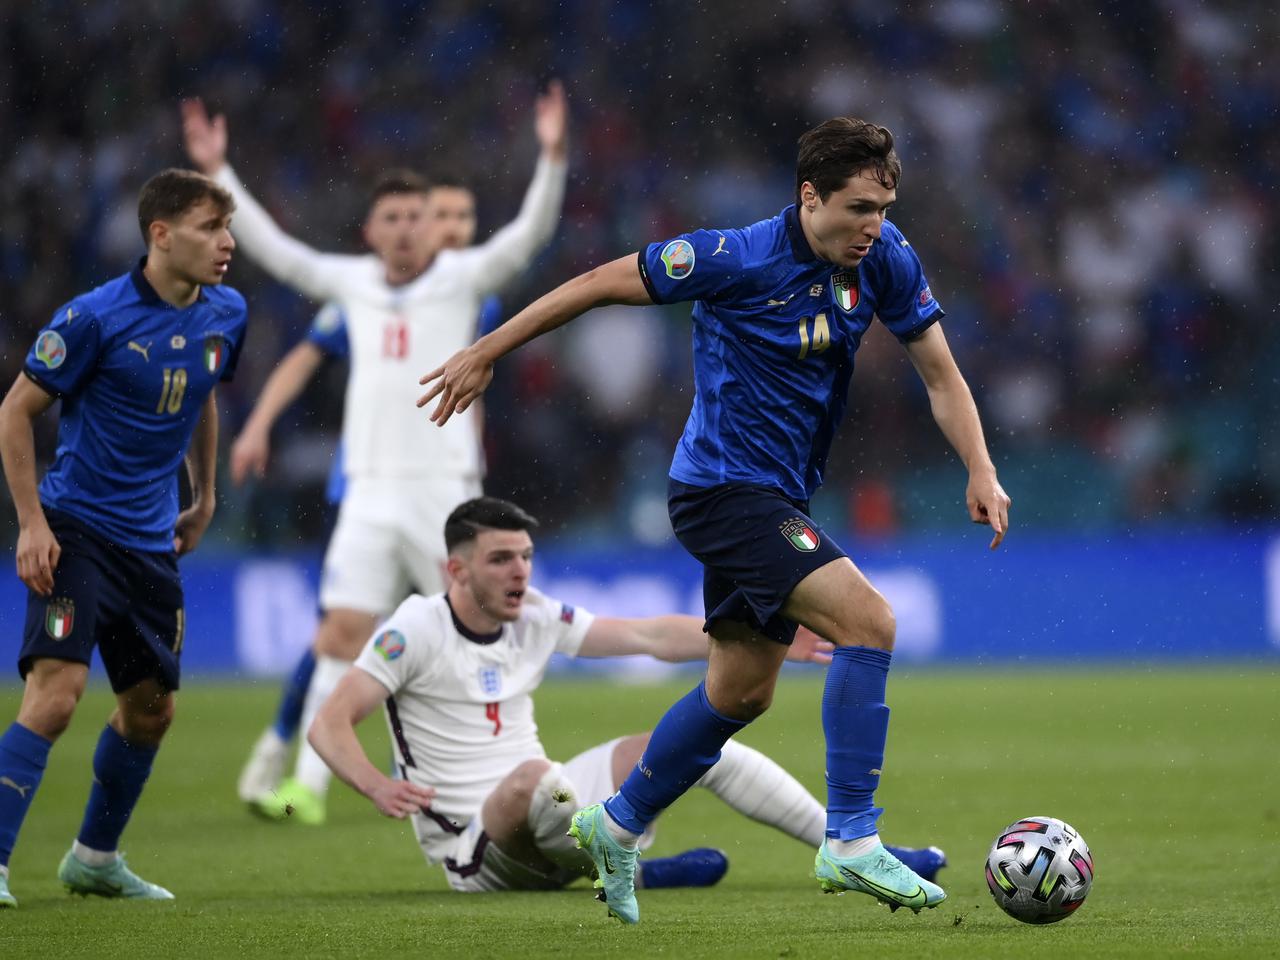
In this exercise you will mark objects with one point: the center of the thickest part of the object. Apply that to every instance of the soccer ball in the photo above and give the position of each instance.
(1039, 870)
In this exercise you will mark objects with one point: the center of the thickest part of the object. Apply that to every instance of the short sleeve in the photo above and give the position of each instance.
(904, 302)
(396, 652)
(572, 626)
(65, 353)
(236, 337)
(702, 265)
(328, 332)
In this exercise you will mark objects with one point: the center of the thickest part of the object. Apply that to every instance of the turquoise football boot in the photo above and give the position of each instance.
(615, 864)
(113, 880)
(878, 874)
(7, 899)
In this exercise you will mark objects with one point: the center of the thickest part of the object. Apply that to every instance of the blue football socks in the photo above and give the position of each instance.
(685, 744)
(120, 769)
(23, 755)
(856, 722)
(289, 714)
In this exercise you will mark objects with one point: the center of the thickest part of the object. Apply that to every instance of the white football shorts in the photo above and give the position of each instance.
(389, 541)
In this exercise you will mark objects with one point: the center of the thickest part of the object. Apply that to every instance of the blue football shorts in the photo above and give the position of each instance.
(127, 603)
(754, 545)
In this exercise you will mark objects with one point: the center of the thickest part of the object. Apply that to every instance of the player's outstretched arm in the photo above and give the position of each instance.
(957, 415)
(38, 550)
(676, 639)
(333, 734)
(202, 468)
(252, 447)
(466, 374)
(288, 260)
(510, 250)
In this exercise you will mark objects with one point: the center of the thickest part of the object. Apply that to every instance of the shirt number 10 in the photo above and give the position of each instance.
(821, 338)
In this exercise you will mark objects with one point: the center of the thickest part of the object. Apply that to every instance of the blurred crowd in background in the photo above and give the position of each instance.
(1094, 192)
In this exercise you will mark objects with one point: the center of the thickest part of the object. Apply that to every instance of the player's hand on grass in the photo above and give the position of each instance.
(190, 527)
(38, 553)
(463, 377)
(808, 647)
(988, 503)
(249, 454)
(551, 120)
(205, 137)
(400, 798)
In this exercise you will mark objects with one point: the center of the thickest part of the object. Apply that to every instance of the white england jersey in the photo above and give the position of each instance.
(398, 333)
(460, 710)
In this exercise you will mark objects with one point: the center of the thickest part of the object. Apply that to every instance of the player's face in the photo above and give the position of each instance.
(198, 244)
(497, 572)
(849, 222)
(451, 212)
(396, 230)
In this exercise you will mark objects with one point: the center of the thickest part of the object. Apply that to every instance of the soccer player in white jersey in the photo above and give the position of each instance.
(408, 305)
(455, 673)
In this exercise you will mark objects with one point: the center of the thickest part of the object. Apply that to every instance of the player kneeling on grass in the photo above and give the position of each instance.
(455, 673)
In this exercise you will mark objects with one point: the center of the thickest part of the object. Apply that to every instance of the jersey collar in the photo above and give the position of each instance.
(484, 639)
(800, 248)
(147, 292)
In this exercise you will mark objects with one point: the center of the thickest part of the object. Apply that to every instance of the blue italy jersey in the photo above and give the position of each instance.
(133, 373)
(775, 330)
(328, 332)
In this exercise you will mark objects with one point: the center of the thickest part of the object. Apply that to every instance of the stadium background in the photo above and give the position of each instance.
(1093, 189)
(1094, 197)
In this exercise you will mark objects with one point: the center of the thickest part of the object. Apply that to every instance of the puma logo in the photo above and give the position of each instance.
(136, 347)
(22, 791)
(719, 249)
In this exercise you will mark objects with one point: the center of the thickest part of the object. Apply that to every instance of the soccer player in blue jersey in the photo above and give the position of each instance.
(134, 363)
(779, 309)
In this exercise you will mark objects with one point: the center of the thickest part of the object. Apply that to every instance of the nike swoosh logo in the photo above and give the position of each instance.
(917, 899)
(608, 863)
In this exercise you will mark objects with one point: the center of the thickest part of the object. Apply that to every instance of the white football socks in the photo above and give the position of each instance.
(853, 848)
(310, 770)
(91, 857)
(757, 787)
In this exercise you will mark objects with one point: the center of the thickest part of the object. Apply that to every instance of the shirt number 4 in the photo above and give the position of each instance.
(491, 714)
(820, 339)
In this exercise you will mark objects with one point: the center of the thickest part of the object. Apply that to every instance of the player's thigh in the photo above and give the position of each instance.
(343, 633)
(144, 712)
(141, 643)
(49, 696)
(363, 569)
(742, 669)
(838, 602)
(506, 809)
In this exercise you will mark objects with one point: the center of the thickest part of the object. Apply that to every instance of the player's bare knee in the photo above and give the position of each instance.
(872, 625)
(524, 779)
(147, 724)
(53, 689)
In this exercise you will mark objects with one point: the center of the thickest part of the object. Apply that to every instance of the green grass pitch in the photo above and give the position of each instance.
(1172, 776)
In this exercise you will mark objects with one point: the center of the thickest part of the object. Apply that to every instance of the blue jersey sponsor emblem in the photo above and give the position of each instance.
(51, 349)
(490, 681)
(678, 257)
(390, 644)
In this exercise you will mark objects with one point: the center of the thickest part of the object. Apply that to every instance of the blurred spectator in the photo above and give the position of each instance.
(1094, 197)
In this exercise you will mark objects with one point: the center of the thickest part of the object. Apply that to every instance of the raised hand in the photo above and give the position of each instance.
(205, 138)
(551, 120)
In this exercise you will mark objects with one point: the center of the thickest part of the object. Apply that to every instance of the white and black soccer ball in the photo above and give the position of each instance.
(1039, 870)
